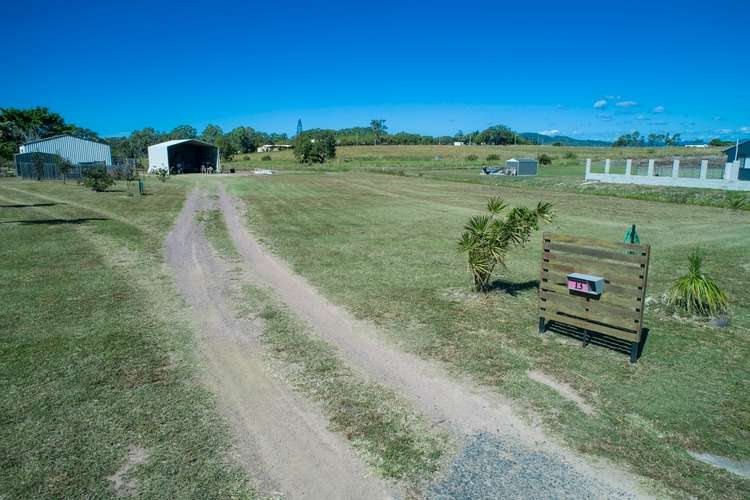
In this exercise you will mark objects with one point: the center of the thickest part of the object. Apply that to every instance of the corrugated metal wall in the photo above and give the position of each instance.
(72, 148)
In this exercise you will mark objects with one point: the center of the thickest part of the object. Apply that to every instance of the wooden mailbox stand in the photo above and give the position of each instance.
(618, 310)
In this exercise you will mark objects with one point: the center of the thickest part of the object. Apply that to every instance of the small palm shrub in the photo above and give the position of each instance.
(570, 155)
(472, 157)
(488, 237)
(544, 159)
(265, 158)
(695, 293)
(737, 201)
(492, 157)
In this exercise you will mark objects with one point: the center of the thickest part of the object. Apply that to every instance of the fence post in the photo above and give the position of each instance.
(606, 166)
(704, 169)
(651, 168)
(628, 166)
(676, 168)
(588, 168)
(728, 171)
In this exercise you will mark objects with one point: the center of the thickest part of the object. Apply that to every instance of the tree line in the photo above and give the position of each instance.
(635, 139)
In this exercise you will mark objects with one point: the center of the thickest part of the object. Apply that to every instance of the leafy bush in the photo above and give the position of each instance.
(97, 178)
(695, 293)
(492, 157)
(265, 158)
(65, 166)
(737, 201)
(472, 157)
(544, 159)
(570, 155)
(315, 146)
(37, 164)
(488, 237)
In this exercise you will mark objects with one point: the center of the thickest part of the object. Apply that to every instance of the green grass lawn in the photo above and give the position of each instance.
(385, 247)
(449, 157)
(96, 357)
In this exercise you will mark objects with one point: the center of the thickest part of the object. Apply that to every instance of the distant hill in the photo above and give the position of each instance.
(535, 138)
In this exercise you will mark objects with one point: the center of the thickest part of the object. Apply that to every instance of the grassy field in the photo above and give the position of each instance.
(97, 361)
(385, 246)
(448, 157)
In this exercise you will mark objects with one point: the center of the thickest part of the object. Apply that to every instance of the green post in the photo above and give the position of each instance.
(141, 186)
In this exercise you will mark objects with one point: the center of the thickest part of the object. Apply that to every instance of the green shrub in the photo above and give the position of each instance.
(492, 157)
(315, 146)
(487, 238)
(265, 158)
(695, 293)
(472, 157)
(544, 159)
(570, 155)
(97, 178)
(737, 201)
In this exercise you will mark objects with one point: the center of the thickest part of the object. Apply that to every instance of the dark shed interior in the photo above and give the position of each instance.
(189, 157)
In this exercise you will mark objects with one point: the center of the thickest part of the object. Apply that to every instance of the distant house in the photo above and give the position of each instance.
(267, 148)
(458, 143)
(78, 151)
(744, 151)
(740, 152)
(696, 146)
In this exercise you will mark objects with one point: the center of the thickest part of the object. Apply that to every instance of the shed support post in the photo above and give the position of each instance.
(628, 167)
(676, 168)
(606, 166)
(651, 168)
(541, 324)
(704, 169)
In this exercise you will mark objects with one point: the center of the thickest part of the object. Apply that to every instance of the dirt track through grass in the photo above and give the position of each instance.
(281, 438)
(462, 407)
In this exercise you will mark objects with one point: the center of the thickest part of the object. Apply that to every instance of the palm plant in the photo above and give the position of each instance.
(737, 201)
(488, 237)
(695, 293)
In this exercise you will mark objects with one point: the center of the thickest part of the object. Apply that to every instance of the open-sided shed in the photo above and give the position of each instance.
(183, 156)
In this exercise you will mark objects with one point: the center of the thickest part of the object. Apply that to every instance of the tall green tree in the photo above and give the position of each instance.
(212, 134)
(243, 139)
(496, 135)
(183, 132)
(315, 146)
(379, 129)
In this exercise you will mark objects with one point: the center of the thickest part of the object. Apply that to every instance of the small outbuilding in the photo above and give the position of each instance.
(741, 153)
(183, 156)
(522, 166)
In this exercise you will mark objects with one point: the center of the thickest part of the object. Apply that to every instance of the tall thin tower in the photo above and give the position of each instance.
(299, 126)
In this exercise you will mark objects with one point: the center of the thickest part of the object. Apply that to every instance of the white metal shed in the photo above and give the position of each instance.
(183, 156)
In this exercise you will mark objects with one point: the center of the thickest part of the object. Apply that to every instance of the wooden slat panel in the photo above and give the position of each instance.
(603, 313)
(618, 312)
(625, 291)
(633, 259)
(567, 238)
(553, 314)
(612, 295)
(619, 275)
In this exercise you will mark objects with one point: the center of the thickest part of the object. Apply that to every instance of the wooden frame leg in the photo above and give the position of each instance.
(586, 338)
(542, 325)
(634, 352)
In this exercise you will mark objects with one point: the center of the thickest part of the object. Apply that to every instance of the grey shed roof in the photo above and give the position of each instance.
(744, 146)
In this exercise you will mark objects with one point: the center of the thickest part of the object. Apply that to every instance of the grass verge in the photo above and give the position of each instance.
(384, 246)
(95, 358)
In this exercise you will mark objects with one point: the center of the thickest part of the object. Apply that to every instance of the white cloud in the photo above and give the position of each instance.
(626, 104)
(658, 109)
(612, 97)
(550, 132)
(724, 131)
(744, 130)
(601, 103)
(642, 117)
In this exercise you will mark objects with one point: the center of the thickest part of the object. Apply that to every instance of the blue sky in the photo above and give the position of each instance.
(586, 69)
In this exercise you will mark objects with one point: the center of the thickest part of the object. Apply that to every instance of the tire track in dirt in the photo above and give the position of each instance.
(281, 439)
(464, 408)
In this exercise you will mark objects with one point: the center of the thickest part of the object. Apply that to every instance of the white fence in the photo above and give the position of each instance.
(729, 179)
